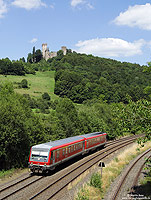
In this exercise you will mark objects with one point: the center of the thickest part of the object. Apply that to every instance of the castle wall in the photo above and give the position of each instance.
(46, 54)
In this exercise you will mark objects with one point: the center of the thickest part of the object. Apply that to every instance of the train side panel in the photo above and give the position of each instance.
(96, 141)
(66, 152)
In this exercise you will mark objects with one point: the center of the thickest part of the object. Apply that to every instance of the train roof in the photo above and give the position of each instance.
(51, 144)
(56, 143)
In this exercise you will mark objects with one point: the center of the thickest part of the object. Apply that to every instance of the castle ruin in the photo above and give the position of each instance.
(47, 54)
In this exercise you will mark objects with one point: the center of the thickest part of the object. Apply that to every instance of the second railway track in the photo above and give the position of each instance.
(128, 181)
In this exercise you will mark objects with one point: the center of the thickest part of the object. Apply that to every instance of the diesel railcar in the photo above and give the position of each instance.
(46, 156)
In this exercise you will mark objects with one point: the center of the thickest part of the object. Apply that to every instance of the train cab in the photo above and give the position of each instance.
(39, 157)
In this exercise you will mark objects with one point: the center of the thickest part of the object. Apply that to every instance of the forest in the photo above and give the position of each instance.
(81, 78)
(94, 94)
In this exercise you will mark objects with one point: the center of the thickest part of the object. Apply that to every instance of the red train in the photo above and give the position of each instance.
(48, 155)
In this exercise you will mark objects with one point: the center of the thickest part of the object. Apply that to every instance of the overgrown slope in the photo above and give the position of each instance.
(81, 77)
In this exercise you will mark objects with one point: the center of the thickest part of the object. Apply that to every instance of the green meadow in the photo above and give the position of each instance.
(38, 84)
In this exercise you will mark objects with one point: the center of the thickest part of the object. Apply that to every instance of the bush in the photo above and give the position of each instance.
(24, 83)
(46, 96)
(96, 181)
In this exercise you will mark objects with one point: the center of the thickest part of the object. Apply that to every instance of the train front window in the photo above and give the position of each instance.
(39, 155)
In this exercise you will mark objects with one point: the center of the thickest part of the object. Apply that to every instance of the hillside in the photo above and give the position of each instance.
(38, 84)
(110, 94)
(82, 77)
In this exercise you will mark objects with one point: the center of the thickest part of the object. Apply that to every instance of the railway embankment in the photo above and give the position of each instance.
(115, 166)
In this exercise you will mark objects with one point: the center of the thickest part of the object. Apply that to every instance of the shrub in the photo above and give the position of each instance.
(24, 83)
(96, 181)
(46, 96)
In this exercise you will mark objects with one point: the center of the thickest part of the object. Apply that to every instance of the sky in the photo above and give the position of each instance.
(119, 29)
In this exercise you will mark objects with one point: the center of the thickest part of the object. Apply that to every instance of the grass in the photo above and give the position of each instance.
(9, 175)
(111, 171)
(6, 173)
(38, 84)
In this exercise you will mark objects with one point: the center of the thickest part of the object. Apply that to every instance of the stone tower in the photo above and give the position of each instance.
(64, 49)
(44, 49)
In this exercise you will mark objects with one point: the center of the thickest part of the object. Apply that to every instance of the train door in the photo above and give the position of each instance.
(53, 157)
(83, 146)
(57, 155)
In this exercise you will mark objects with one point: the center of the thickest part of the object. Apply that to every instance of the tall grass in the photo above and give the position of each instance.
(111, 171)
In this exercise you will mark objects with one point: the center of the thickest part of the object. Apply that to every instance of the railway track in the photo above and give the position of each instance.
(59, 184)
(123, 139)
(14, 188)
(50, 186)
(122, 190)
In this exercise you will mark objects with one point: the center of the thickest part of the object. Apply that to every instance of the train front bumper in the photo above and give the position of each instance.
(35, 167)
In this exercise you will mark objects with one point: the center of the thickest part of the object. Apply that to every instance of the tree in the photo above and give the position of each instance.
(65, 81)
(147, 91)
(59, 55)
(38, 55)
(33, 56)
(18, 68)
(68, 116)
(5, 66)
(19, 130)
(24, 83)
(46, 96)
(23, 59)
(30, 58)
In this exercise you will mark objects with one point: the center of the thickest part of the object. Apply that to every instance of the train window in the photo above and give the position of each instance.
(51, 155)
(72, 148)
(66, 150)
(63, 152)
(69, 149)
(58, 153)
